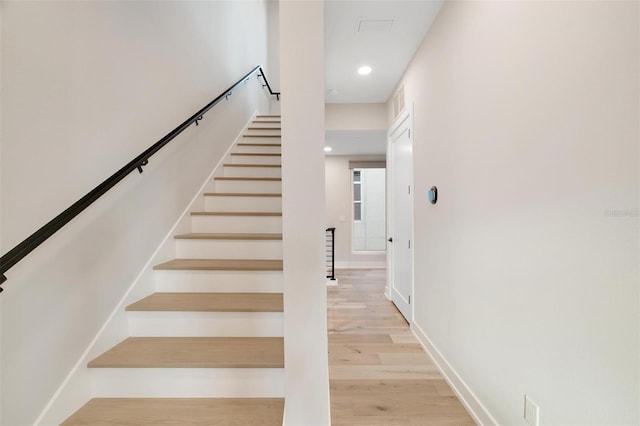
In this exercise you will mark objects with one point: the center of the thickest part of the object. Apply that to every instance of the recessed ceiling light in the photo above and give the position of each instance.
(327, 149)
(364, 70)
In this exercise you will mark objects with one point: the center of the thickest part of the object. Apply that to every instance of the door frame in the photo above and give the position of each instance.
(402, 123)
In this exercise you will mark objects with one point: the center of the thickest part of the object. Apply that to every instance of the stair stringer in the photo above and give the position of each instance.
(77, 387)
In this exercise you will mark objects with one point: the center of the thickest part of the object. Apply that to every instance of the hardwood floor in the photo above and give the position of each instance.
(378, 372)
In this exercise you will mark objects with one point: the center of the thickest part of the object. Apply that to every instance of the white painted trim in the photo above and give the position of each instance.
(119, 309)
(403, 122)
(476, 409)
(361, 265)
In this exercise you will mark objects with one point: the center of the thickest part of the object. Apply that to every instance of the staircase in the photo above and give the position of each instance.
(207, 347)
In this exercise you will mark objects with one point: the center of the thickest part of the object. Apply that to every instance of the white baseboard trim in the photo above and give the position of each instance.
(332, 283)
(361, 265)
(56, 409)
(476, 409)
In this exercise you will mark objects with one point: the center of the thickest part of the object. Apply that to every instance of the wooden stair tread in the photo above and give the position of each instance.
(209, 302)
(194, 352)
(252, 165)
(268, 121)
(258, 144)
(245, 179)
(221, 265)
(256, 154)
(242, 194)
(264, 128)
(268, 116)
(236, 213)
(179, 411)
(261, 136)
(227, 236)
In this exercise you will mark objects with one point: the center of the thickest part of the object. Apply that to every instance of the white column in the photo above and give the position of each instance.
(305, 305)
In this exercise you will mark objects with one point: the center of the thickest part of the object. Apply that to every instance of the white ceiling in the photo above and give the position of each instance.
(380, 33)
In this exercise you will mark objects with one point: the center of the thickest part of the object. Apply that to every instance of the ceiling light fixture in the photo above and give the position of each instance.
(327, 149)
(364, 70)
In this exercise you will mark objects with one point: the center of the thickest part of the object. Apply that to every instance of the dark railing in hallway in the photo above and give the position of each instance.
(331, 253)
(20, 251)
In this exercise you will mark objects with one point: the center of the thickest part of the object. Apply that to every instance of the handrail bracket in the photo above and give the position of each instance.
(142, 164)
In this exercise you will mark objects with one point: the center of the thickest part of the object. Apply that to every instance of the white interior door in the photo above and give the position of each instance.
(401, 246)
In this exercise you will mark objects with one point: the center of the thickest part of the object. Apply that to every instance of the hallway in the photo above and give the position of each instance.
(378, 372)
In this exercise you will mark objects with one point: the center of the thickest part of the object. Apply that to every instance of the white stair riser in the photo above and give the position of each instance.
(242, 204)
(255, 186)
(273, 129)
(228, 249)
(187, 382)
(266, 129)
(255, 159)
(265, 224)
(218, 281)
(206, 324)
(252, 172)
(261, 140)
(259, 149)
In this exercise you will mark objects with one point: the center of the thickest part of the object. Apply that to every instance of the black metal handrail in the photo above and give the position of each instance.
(331, 253)
(20, 251)
(267, 85)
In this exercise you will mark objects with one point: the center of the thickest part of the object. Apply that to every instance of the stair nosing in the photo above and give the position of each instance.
(242, 194)
(246, 179)
(257, 154)
(259, 144)
(229, 236)
(252, 165)
(236, 213)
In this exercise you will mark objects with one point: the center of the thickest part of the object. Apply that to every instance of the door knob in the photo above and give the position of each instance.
(390, 239)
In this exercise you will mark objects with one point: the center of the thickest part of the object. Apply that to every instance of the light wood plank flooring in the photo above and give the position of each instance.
(378, 372)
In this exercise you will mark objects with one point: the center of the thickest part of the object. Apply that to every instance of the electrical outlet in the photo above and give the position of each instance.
(531, 412)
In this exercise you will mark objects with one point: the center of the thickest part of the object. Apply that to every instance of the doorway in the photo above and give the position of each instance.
(369, 219)
(400, 237)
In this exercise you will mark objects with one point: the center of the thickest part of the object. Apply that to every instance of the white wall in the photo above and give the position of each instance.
(355, 117)
(86, 86)
(338, 202)
(526, 271)
(305, 295)
(273, 44)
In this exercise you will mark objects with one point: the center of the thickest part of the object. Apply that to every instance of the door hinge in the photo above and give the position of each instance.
(409, 243)
(409, 189)
(409, 133)
(409, 299)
